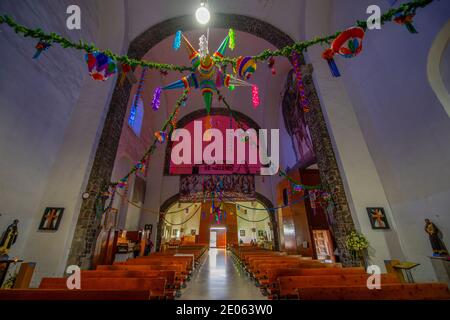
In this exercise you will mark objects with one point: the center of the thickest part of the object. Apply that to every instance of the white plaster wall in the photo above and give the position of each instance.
(178, 219)
(66, 110)
(252, 215)
(404, 125)
(37, 99)
(445, 67)
(361, 180)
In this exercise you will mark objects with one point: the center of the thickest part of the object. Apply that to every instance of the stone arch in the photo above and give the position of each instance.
(259, 197)
(437, 49)
(194, 115)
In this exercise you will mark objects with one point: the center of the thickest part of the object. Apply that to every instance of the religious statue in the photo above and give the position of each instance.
(8, 238)
(437, 244)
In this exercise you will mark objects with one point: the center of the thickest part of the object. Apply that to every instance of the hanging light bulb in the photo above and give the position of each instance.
(202, 14)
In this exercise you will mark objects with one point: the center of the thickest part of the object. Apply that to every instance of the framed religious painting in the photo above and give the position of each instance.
(148, 227)
(51, 219)
(377, 218)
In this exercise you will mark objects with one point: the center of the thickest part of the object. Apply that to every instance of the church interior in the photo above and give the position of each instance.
(224, 150)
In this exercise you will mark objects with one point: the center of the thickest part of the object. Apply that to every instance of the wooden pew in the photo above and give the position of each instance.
(273, 274)
(180, 276)
(288, 285)
(403, 291)
(171, 285)
(154, 285)
(56, 294)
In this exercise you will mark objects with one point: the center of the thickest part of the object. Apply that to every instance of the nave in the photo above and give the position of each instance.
(218, 278)
(123, 183)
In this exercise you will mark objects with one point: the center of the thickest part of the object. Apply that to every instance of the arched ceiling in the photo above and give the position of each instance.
(286, 15)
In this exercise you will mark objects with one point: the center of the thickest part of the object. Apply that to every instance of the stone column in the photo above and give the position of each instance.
(88, 224)
(328, 168)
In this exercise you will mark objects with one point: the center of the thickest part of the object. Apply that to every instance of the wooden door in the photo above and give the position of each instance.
(221, 238)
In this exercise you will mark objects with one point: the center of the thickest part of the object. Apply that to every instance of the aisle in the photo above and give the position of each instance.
(218, 278)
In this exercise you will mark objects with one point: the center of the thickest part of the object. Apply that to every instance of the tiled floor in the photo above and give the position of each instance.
(219, 279)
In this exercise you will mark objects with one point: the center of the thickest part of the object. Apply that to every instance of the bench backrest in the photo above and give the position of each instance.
(404, 291)
(288, 285)
(166, 274)
(55, 294)
(155, 285)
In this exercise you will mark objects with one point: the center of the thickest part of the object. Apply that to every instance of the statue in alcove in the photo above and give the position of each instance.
(9, 237)
(437, 244)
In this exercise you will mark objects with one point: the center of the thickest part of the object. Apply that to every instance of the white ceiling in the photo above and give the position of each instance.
(283, 14)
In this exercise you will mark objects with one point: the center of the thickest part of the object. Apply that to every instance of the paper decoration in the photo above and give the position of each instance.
(245, 67)
(406, 20)
(156, 101)
(100, 66)
(41, 46)
(207, 76)
(348, 44)
(255, 96)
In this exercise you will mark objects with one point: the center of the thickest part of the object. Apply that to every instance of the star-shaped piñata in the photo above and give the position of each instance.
(208, 76)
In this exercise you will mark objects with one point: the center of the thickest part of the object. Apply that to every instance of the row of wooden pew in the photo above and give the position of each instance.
(160, 275)
(282, 276)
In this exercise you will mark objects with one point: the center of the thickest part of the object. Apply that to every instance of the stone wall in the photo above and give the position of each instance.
(328, 168)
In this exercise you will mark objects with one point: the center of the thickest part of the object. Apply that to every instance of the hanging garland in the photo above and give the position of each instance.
(300, 86)
(123, 182)
(402, 15)
(103, 64)
(179, 224)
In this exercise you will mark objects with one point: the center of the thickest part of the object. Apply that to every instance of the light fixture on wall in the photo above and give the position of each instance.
(202, 14)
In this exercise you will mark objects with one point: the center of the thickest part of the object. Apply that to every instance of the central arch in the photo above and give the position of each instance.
(83, 243)
(259, 197)
(182, 122)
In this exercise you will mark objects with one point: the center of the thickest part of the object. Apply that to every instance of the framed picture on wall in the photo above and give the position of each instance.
(377, 218)
(193, 232)
(51, 219)
(148, 227)
(242, 233)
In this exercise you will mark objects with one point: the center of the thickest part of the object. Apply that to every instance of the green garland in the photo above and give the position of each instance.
(301, 46)
(81, 45)
(152, 147)
(404, 9)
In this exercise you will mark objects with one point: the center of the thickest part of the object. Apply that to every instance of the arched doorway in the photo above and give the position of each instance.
(174, 201)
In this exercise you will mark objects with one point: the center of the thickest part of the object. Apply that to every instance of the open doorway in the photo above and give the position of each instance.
(218, 237)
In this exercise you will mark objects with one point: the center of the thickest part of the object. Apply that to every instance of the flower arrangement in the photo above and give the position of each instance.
(356, 243)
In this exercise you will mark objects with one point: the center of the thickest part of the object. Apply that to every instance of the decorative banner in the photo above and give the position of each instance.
(235, 187)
